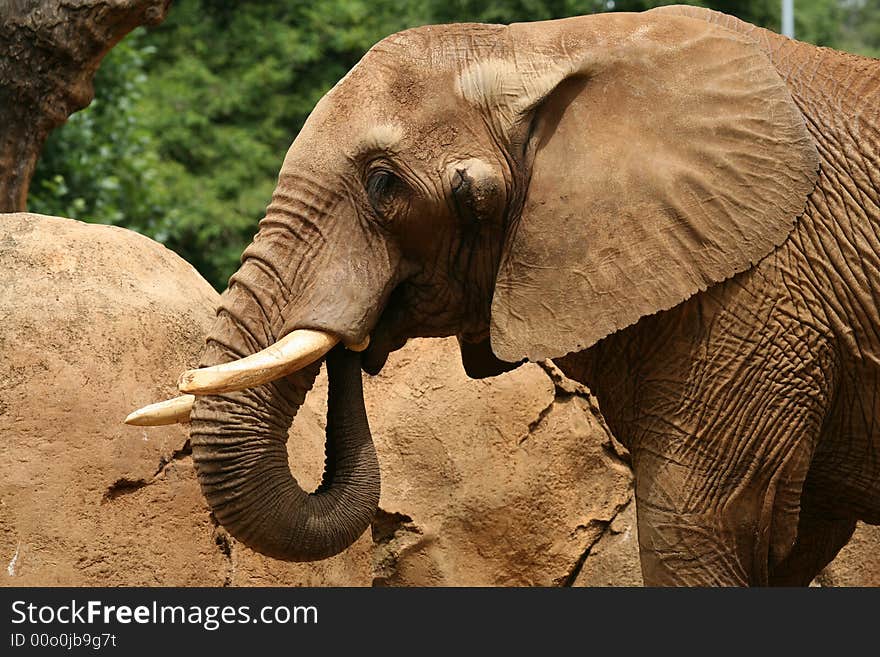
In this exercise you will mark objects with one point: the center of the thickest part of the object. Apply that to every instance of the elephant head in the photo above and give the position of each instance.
(530, 188)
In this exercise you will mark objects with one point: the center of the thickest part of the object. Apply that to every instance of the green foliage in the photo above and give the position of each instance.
(192, 119)
(859, 27)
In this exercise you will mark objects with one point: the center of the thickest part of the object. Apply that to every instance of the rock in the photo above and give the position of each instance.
(614, 559)
(858, 563)
(97, 321)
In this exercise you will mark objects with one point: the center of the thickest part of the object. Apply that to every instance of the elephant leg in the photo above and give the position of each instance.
(692, 545)
(686, 550)
(732, 540)
(722, 542)
(820, 536)
(722, 402)
(720, 459)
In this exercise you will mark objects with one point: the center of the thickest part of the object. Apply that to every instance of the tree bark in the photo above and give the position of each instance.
(49, 52)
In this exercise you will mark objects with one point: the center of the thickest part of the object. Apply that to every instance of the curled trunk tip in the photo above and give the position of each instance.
(244, 472)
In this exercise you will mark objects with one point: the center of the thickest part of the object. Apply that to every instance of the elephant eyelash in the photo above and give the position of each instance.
(382, 186)
(379, 183)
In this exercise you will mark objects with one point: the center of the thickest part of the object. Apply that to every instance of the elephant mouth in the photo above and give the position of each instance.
(382, 342)
(403, 318)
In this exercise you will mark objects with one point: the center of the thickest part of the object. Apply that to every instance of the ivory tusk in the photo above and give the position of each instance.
(291, 353)
(170, 411)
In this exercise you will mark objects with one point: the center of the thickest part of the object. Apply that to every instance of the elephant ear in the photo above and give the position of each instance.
(666, 155)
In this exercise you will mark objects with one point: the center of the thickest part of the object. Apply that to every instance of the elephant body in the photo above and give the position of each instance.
(678, 208)
(761, 466)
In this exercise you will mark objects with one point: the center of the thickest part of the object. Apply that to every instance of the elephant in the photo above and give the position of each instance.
(679, 209)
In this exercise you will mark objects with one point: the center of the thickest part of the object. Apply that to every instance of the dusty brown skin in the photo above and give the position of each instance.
(677, 208)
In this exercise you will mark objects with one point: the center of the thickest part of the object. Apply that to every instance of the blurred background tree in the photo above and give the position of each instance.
(192, 119)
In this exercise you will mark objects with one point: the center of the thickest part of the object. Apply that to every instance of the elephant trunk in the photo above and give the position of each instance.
(239, 441)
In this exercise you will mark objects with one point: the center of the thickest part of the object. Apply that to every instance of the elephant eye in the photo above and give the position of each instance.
(381, 187)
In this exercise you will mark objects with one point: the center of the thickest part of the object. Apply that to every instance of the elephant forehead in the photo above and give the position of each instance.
(401, 97)
(435, 140)
(397, 114)
(385, 84)
(442, 45)
(407, 66)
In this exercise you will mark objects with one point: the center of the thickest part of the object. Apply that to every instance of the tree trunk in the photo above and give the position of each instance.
(49, 52)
